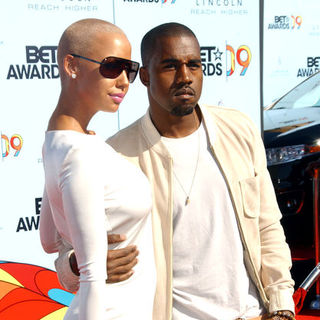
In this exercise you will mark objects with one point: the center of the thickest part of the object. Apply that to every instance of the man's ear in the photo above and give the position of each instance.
(144, 76)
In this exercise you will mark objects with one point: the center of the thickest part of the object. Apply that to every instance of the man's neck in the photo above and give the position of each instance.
(172, 126)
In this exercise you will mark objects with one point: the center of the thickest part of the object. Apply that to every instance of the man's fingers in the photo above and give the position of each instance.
(120, 263)
(120, 253)
(119, 277)
(122, 273)
(123, 266)
(125, 257)
(115, 238)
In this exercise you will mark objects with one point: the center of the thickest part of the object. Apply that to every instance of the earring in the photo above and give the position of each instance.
(73, 75)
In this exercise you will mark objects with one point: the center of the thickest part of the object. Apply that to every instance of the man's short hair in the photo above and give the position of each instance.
(171, 29)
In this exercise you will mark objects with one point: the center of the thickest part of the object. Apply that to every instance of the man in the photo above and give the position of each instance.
(219, 245)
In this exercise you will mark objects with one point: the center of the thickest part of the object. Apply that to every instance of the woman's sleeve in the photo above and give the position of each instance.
(49, 236)
(82, 187)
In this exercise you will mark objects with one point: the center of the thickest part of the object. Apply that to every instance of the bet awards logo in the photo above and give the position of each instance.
(313, 66)
(41, 63)
(11, 145)
(214, 65)
(30, 223)
(286, 23)
(211, 61)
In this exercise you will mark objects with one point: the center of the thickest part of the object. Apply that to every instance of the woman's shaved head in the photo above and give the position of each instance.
(80, 36)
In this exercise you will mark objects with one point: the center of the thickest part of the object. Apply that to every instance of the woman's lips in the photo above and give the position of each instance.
(117, 97)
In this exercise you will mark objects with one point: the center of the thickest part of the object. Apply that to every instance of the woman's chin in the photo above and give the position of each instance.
(112, 109)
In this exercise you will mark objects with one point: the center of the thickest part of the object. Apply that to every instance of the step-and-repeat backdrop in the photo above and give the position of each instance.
(291, 45)
(228, 32)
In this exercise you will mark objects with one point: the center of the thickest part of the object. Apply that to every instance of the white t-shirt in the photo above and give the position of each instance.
(210, 280)
(92, 190)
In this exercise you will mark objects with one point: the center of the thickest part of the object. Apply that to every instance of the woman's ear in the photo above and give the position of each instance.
(144, 76)
(70, 66)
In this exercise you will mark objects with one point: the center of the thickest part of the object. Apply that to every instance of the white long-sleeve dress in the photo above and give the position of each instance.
(91, 190)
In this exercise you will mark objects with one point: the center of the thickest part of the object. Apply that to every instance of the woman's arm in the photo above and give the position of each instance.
(49, 236)
(82, 187)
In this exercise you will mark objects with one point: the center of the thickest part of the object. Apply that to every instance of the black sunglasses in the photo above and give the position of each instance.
(111, 67)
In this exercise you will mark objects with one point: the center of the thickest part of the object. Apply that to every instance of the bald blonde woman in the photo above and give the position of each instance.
(90, 190)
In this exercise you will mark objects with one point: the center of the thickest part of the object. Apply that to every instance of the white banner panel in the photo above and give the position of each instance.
(228, 32)
(291, 45)
(30, 89)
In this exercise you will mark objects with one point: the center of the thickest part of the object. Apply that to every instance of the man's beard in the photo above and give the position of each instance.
(181, 111)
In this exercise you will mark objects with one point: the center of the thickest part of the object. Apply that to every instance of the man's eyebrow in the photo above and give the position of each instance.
(172, 60)
(195, 61)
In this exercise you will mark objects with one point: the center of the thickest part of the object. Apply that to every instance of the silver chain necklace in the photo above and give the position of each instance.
(194, 174)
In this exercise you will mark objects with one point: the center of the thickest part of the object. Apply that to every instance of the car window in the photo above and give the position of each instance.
(304, 95)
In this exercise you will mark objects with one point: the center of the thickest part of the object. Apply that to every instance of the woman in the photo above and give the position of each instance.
(89, 188)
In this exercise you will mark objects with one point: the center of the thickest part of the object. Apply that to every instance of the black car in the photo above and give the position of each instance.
(292, 142)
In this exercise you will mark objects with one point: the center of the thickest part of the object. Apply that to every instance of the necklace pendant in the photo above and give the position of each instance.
(187, 201)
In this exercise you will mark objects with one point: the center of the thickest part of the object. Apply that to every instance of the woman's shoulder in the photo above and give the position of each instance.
(72, 139)
(75, 146)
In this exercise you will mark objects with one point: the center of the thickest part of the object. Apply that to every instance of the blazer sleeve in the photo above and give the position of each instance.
(275, 253)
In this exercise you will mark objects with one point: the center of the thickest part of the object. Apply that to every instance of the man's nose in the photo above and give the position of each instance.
(183, 74)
